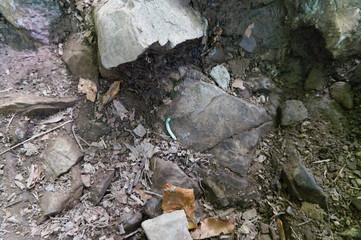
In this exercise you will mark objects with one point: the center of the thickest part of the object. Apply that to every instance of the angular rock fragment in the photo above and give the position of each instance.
(341, 92)
(126, 29)
(31, 104)
(216, 56)
(140, 131)
(225, 190)
(293, 112)
(168, 172)
(52, 203)
(173, 225)
(100, 185)
(80, 59)
(132, 221)
(237, 152)
(315, 80)
(221, 75)
(301, 182)
(238, 67)
(153, 207)
(62, 154)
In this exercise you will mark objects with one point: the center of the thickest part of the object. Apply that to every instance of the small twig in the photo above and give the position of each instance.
(103, 142)
(35, 136)
(294, 232)
(11, 119)
(299, 225)
(130, 131)
(6, 90)
(89, 145)
(338, 174)
(140, 202)
(131, 234)
(322, 161)
(76, 138)
(153, 193)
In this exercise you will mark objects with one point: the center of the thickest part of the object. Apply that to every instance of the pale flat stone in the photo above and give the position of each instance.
(62, 154)
(170, 226)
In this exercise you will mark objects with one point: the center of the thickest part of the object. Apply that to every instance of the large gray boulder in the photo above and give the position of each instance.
(125, 29)
(34, 16)
(204, 115)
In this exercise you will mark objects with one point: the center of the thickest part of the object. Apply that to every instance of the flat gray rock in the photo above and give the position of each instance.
(204, 115)
(237, 152)
(169, 172)
(125, 29)
(170, 226)
(227, 190)
(52, 203)
(62, 154)
(293, 112)
(32, 104)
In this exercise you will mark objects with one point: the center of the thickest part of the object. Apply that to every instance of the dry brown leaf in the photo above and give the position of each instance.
(211, 227)
(238, 83)
(34, 176)
(281, 230)
(89, 88)
(249, 30)
(143, 196)
(176, 198)
(111, 93)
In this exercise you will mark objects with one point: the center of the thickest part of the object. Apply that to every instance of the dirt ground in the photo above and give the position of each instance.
(331, 152)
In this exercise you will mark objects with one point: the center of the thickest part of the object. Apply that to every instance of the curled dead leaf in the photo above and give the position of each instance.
(238, 83)
(176, 198)
(111, 93)
(89, 88)
(211, 227)
(34, 176)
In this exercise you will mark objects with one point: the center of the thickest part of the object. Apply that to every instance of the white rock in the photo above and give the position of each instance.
(170, 226)
(125, 29)
(250, 214)
(221, 75)
(140, 130)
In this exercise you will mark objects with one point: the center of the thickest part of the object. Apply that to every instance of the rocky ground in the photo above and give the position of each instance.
(270, 147)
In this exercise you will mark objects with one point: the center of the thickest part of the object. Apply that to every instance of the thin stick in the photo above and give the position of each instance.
(7, 126)
(6, 90)
(35, 136)
(294, 232)
(322, 161)
(130, 234)
(76, 138)
(153, 193)
(84, 141)
(338, 174)
(299, 225)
